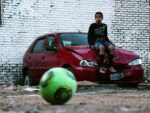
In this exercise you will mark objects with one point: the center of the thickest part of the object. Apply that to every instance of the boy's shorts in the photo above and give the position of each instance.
(104, 43)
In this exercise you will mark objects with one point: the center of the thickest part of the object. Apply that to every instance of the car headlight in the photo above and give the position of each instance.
(87, 63)
(135, 62)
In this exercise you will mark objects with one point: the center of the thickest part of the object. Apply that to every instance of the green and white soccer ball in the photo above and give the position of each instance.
(58, 85)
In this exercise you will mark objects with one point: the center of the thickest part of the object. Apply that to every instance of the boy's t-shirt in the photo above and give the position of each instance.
(97, 31)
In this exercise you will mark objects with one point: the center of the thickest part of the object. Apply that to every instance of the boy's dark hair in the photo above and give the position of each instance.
(100, 13)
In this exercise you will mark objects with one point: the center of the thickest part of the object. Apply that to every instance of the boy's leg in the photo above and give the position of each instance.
(99, 46)
(111, 49)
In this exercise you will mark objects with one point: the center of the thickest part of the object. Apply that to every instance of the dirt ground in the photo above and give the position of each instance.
(90, 98)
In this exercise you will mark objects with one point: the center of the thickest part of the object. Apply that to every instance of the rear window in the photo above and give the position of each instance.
(73, 39)
(38, 46)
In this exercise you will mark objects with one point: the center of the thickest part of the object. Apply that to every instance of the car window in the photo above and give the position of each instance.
(38, 46)
(51, 44)
(73, 39)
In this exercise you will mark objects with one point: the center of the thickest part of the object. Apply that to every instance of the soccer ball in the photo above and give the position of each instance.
(57, 85)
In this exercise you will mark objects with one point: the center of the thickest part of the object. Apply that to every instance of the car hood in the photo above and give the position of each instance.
(84, 51)
(122, 56)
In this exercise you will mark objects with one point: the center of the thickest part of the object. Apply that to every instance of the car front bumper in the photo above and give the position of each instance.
(85, 73)
(132, 74)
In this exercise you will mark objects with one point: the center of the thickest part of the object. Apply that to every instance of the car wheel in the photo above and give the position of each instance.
(70, 69)
(28, 80)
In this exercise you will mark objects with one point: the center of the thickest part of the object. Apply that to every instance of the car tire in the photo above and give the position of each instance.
(70, 69)
(28, 80)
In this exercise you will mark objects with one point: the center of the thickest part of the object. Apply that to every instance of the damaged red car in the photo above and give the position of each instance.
(71, 51)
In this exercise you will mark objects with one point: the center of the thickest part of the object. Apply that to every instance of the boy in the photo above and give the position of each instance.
(97, 38)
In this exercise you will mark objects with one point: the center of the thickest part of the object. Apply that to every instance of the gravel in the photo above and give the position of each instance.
(90, 98)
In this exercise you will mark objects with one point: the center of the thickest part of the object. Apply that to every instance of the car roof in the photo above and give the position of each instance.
(58, 33)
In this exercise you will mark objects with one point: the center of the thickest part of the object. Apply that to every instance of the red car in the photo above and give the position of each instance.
(71, 51)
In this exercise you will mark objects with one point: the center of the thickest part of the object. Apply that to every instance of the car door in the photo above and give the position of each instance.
(51, 56)
(35, 58)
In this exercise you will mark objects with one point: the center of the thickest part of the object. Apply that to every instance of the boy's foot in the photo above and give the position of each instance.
(102, 70)
(112, 69)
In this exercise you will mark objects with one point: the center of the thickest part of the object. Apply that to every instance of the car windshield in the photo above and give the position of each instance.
(73, 39)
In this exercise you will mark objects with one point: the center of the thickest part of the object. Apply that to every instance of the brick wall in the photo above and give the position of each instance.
(131, 28)
(24, 20)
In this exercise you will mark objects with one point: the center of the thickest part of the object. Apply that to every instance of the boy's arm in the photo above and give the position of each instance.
(106, 35)
(107, 39)
(90, 36)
